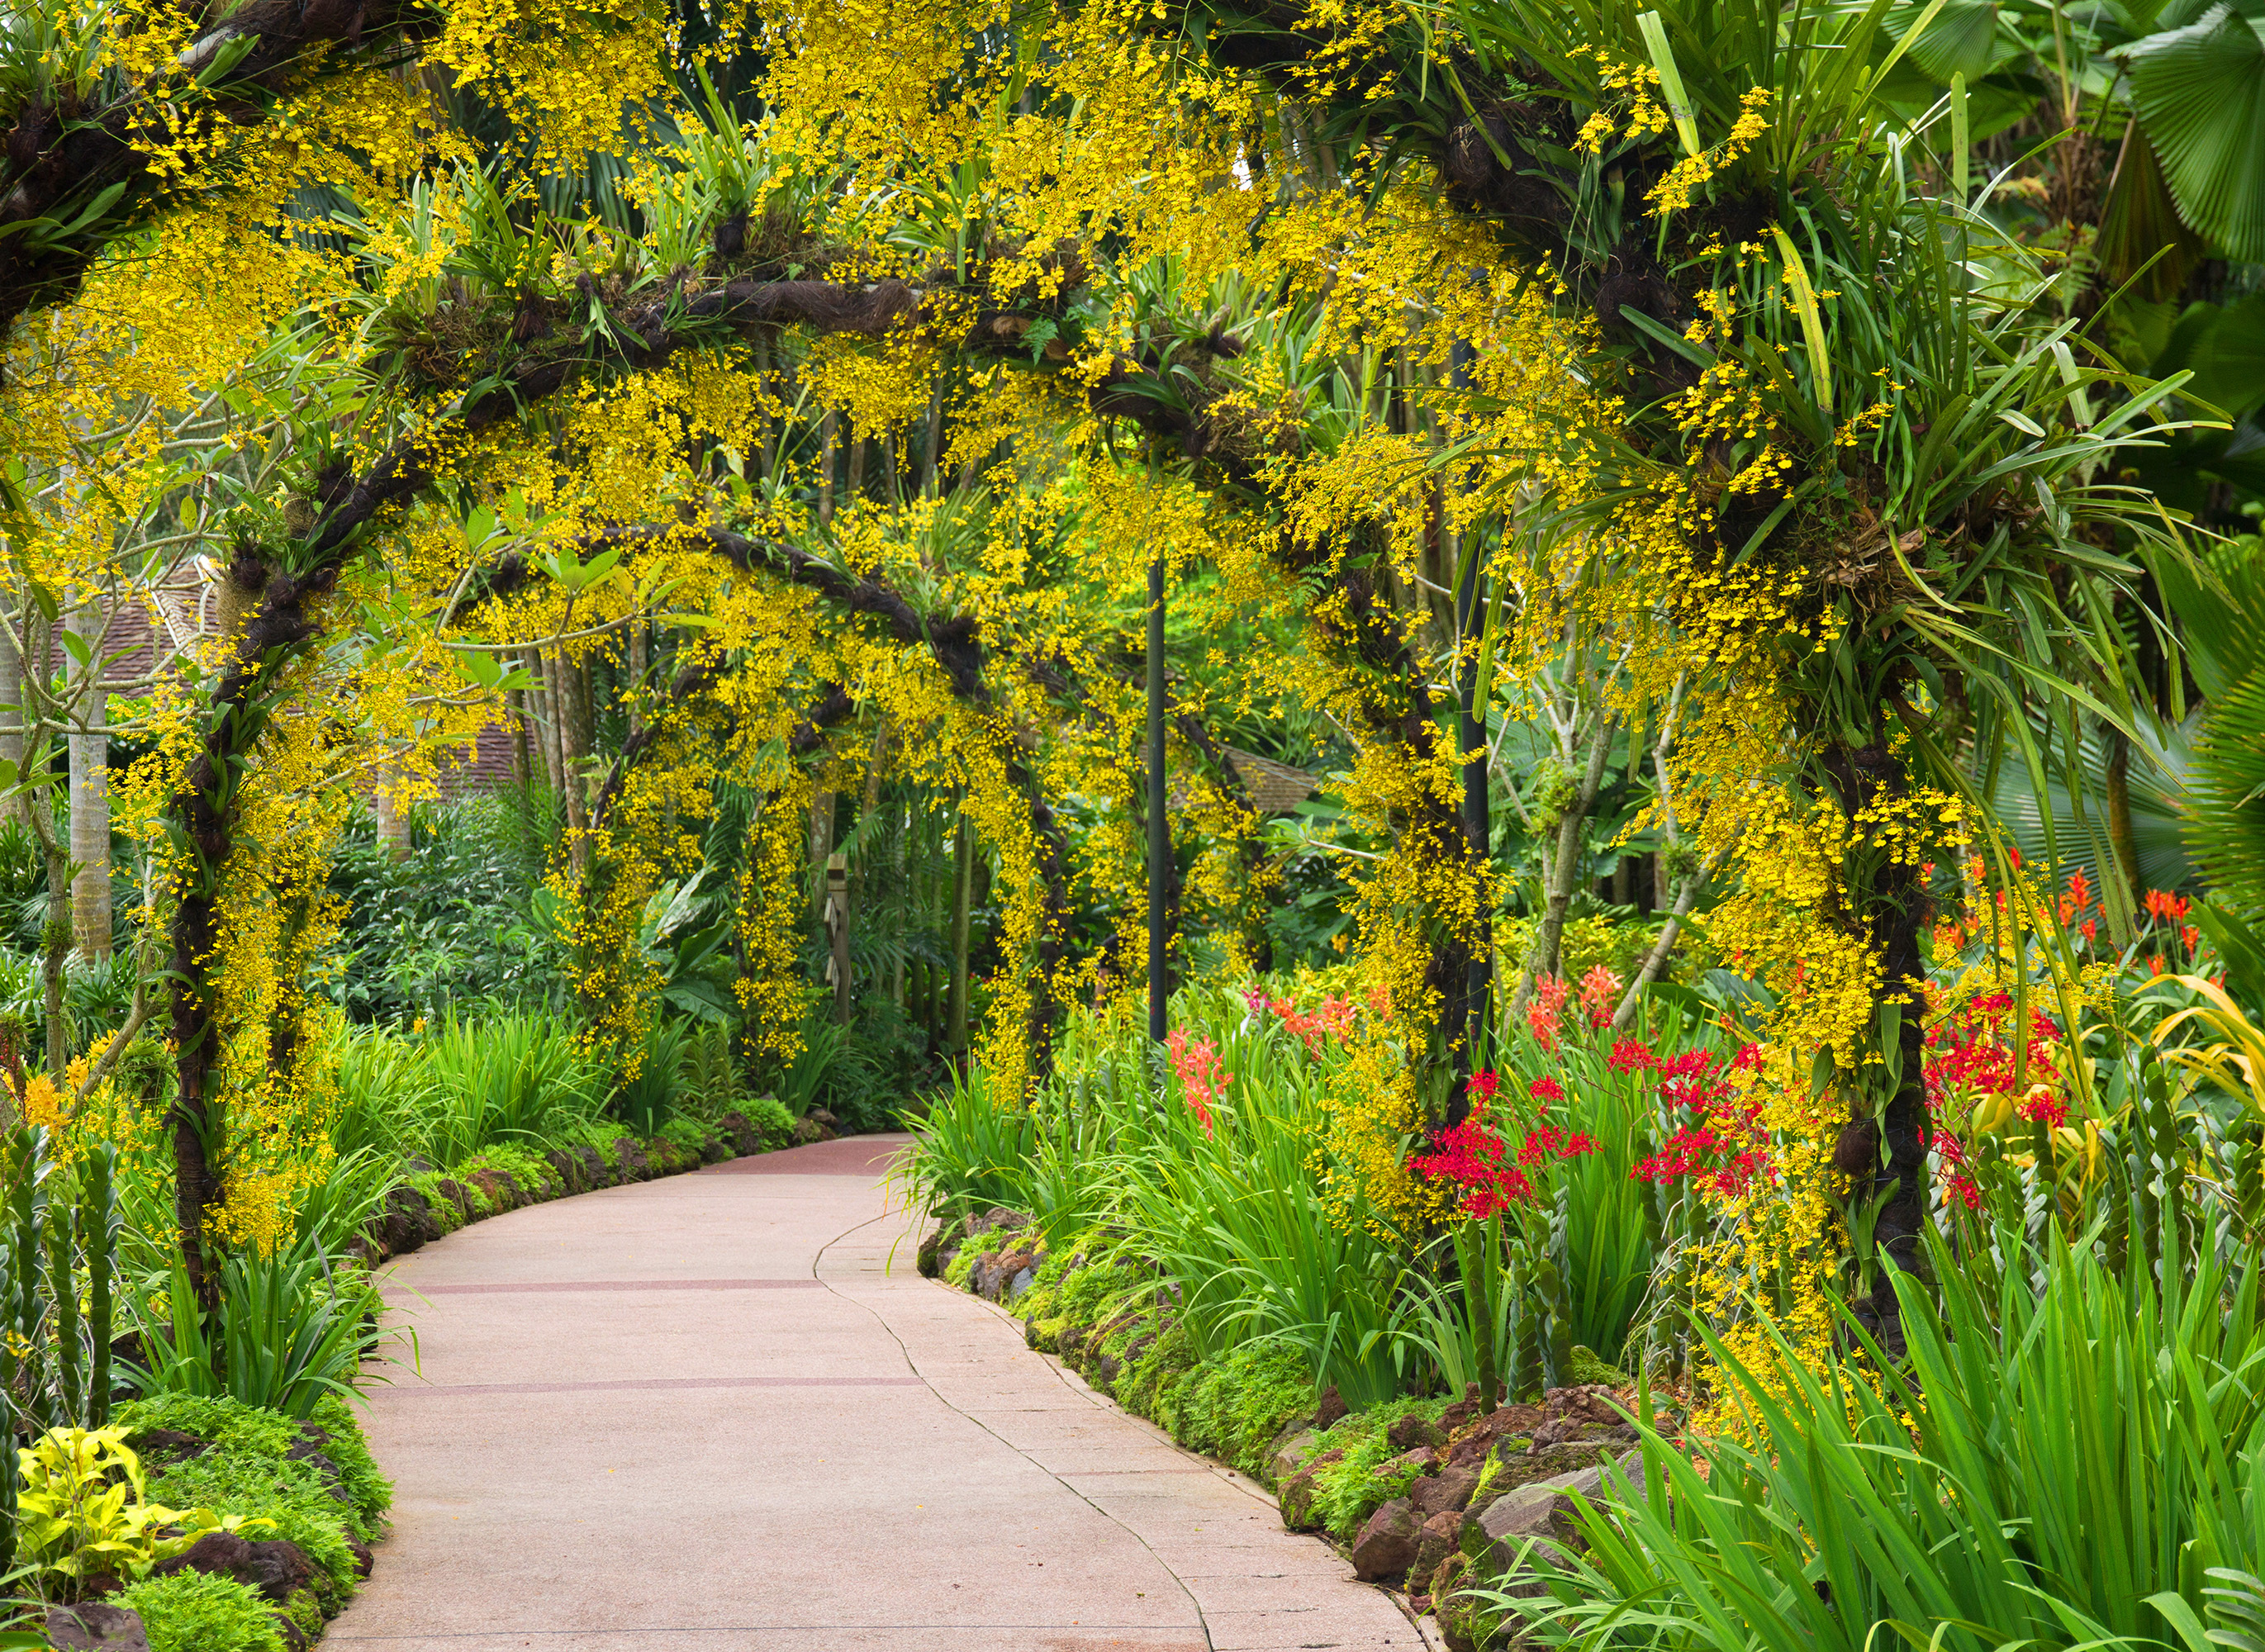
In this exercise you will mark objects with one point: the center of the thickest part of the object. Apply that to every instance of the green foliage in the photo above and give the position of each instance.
(84, 1509)
(772, 1121)
(647, 1100)
(970, 1153)
(1349, 1491)
(227, 1423)
(247, 1434)
(368, 1491)
(202, 1612)
(1233, 1409)
(973, 1250)
(878, 1070)
(2060, 1466)
(472, 1085)
(289, 1493)
(457, 924)
(290, 1328)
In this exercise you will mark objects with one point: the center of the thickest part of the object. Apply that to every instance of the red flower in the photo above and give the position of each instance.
(1545, 1012)
(1547, 1141)
(1600, 991)
(1631, 1055)
(2044, 1109)
(1546, 1090)
(1470, 1156)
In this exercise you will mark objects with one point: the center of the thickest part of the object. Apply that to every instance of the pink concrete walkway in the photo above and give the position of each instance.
(721, 1412)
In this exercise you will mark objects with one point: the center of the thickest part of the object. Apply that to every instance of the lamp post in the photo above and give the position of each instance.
(1159, 830)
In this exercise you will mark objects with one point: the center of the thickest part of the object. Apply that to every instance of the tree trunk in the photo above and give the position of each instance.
(564, 696)
(15, 805)
(393, 834)
(2120, 836)
(544, 709)
(522, 760)
(55, 944)
(90, 797)
(821, 847)
(1887, 911)
(825, 444)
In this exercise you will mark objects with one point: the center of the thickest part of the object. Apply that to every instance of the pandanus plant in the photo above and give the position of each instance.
(59, 1222)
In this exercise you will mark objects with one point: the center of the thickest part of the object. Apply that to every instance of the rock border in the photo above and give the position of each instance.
(1450, 1500)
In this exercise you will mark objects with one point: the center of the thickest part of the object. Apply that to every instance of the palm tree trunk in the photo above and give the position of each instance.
(89, 797)
(15, 806)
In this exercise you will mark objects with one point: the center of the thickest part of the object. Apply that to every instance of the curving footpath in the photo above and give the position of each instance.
(722, 1412)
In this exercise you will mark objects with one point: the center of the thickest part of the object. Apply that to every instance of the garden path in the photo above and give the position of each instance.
(722, 1412)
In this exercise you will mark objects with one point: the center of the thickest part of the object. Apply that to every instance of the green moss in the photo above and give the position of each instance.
(202, 1612)
(525, 1166)
(1588, 1368)
(1348, 1491)
(1234, 1408)
(963, 1265)
(1166, 1358)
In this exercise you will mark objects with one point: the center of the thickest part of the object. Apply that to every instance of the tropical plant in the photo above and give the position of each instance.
(289, 1331)
(502, 1079)
(2061, 1463)
(647, 1100)
(83, 1510)
(58, 1219)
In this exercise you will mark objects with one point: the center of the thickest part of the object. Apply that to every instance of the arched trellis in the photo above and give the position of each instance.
(1440, 889)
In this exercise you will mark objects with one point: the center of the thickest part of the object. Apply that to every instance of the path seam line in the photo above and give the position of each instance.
(1203, 1620)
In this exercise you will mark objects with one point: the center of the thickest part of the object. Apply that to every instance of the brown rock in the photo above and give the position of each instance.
(1412, 1430)
(595, 1173)
(746, 1140)
(276, 1570)
(1449, 1490)
(1387, 1543)
(1290, 1452)
(458, 1195)
(1540, 1510)
(157, 1447)
(932, 1249)
(90, 1627)
(1296, 1497)
(1332, 1411)
(1471, 1444)
(566, 1167)
(1441, 1535)
(1421, 1461)
(631, 1154)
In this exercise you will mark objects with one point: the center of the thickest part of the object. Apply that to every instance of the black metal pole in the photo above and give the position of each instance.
(1159, 830)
